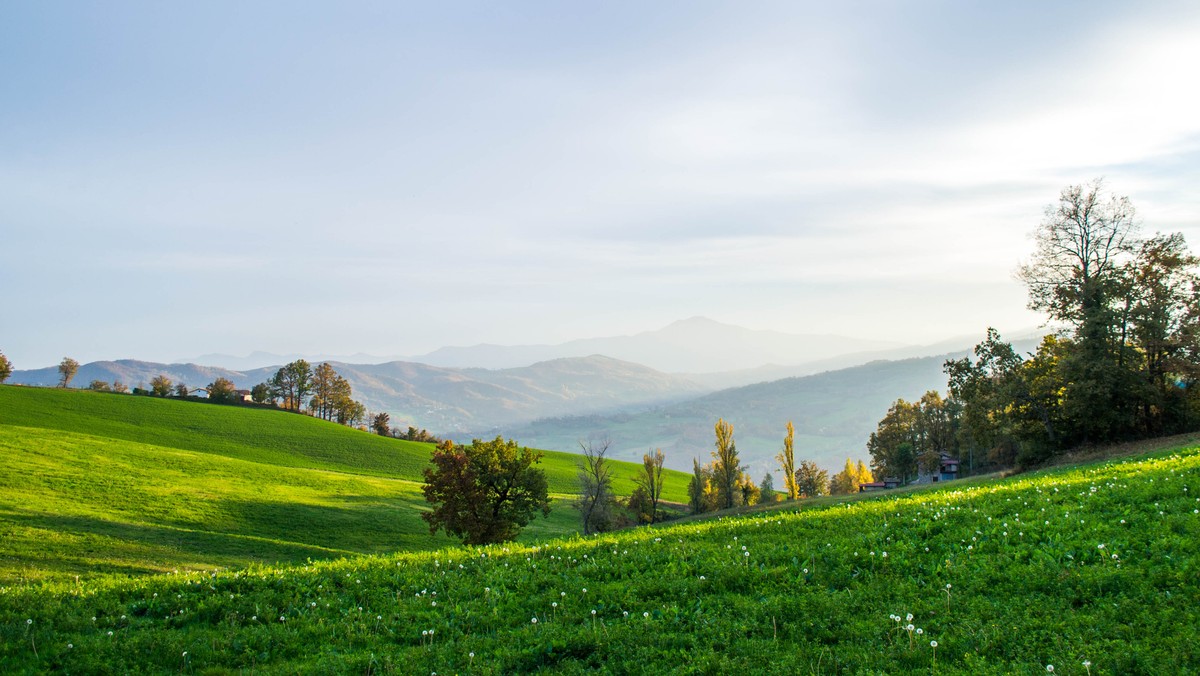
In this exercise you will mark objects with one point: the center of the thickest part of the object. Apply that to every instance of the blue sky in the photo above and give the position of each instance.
(185, 178)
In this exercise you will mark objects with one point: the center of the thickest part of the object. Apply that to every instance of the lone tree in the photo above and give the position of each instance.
(67, 370)
(596, 502)
(787, 462)
(727, 470)
(6, 368)
(650, 480)
(381, 424)
(222, 391)
(812, 481)
(160, 385)
(485, 492)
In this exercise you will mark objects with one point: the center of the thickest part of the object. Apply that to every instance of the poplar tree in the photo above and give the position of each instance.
(727, 472)
(787, 462)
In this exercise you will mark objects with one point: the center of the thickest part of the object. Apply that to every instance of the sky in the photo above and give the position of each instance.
(178, 179)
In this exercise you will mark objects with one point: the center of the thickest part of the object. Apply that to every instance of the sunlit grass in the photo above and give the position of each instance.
(1097, 563)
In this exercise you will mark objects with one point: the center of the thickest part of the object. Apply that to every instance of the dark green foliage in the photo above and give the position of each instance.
(485, 492)
(1128, 364)
(259, 394)
(381, 424)
(291, 384)
(6, 368)
(811, 480)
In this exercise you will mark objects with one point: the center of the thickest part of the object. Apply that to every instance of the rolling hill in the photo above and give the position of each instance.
(108, 483)
(443, 400)
(1076, 570)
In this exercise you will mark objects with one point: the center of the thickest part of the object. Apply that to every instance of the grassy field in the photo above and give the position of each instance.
(1093, 569)
(100, 483)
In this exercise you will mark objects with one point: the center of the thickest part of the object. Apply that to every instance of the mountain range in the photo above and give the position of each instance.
(835, 398)
(696, 345)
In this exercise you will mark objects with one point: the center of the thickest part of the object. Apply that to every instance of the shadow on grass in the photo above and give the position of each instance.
(49, 546)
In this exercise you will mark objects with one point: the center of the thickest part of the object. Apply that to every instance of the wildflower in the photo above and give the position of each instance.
(933, 644)
(1050, 668)
(31, 621)
(646, 615)
(908, 618)
(534, 620)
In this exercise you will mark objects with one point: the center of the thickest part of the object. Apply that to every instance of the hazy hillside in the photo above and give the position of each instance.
(834, 413)
(696, 345)
(131, 372)
(442, 400)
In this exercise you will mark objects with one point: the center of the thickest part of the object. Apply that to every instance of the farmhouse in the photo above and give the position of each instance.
(889, 482)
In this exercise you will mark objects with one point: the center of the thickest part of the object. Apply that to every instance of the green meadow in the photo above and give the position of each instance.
(98, 483)
(1091, 569)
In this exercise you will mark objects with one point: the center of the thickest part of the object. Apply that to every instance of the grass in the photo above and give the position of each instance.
(104, 484)
(1096, 563)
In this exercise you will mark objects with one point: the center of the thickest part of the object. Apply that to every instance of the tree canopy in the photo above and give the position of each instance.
(67, 369)
(1125, 366)
(485, 492)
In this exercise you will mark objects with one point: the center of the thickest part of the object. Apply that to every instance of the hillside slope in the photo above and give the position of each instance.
(107, 483)
(1089, 569)
(442, 400)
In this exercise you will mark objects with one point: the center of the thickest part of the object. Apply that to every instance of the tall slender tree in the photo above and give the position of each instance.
(6, 368)
(787, 462)
(727, 469)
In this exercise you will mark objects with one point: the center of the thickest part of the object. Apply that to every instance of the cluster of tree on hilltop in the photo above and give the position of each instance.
(1125, 367)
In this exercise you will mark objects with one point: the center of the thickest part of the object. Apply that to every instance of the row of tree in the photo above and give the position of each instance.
(724, 483)
(1124, 366)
